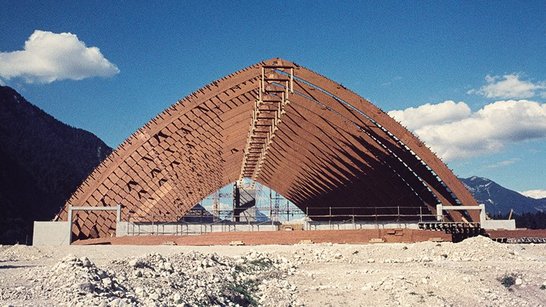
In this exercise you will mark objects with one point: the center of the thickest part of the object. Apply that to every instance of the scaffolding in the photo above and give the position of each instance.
(247, 205)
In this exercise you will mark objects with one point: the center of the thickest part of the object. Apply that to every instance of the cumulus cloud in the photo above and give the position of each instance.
(538, 194)
(429, 114)
(509, 87)
(48, 57)
(459, 134)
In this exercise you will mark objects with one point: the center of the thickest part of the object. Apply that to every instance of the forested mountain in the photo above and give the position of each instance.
(42, 161)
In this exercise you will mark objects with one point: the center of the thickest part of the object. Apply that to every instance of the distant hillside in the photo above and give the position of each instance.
(42, 161)
(499, 200)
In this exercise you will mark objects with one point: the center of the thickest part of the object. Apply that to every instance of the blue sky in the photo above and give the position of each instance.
(397, 54)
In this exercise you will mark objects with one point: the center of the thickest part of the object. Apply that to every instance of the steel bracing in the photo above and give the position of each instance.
(305, 136)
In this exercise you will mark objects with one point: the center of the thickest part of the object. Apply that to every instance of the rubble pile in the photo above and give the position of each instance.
(21, 253)
(181, 279)
(477, 271)
(472, 249)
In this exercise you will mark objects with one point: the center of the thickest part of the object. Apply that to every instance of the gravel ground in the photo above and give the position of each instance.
(476, 271)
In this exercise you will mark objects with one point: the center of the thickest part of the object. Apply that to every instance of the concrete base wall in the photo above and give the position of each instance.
(56, 233)
(498, 224)
(50, 233)
(122, 229)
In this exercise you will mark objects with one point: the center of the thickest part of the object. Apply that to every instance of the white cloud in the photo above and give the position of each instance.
(503, 163)
(454, 135)
(509, 87)
(538, 194)
(429, 114)
(49, 57)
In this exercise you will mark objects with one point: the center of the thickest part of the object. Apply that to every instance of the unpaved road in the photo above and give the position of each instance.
(474, 272)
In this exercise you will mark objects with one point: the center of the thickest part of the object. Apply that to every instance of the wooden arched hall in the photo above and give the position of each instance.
(307, 137)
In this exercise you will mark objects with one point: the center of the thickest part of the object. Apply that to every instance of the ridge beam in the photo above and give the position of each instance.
(269, 107)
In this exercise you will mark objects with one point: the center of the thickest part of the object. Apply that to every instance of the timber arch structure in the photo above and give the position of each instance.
(305, 136)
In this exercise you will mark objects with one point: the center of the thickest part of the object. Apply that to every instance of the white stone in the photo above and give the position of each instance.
(133, 263)
(177, 298)
(86, 262)
(107, 282)
(139, 291)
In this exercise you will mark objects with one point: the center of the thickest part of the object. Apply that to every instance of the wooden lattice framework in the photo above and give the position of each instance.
(281, 124)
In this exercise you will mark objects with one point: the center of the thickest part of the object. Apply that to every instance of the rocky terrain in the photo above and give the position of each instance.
(476, 271)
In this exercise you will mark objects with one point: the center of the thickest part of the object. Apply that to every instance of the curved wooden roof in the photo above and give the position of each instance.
(287, 127)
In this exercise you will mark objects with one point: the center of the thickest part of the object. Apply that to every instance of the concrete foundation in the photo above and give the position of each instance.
(57, 233)
(485, 223)
(50, 233)
(498, 224)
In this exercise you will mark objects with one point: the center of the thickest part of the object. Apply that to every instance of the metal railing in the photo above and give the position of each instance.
(394, 213)
(183, 228)
(313, 217)
(202, 224)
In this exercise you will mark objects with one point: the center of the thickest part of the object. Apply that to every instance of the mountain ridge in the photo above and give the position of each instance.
(499, 200)
(42, 162)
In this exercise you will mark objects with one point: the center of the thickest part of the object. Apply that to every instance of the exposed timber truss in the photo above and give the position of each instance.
(283, 125)
(269, 108)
